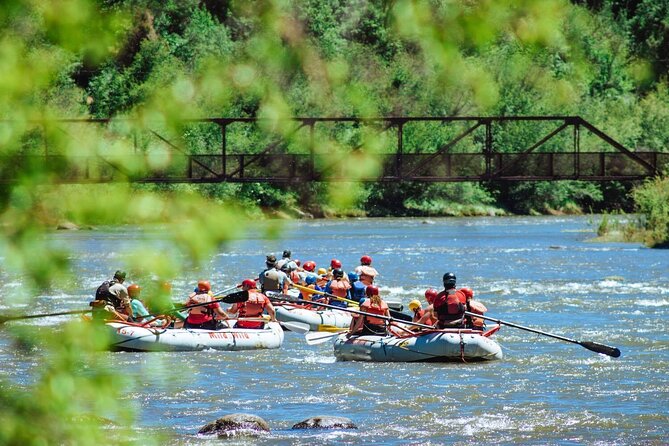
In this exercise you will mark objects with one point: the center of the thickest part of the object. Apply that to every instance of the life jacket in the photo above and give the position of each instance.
(253, 307)
(271, 280)
(306, 295)
(103, 293)
(449, 306)
(357, 290)
(202, 313)
(339, 287)
(419, 313)
(367, 307)
(478, 308)
(295, 277)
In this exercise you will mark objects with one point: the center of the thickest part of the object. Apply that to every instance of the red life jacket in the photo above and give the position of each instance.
(253, 307)
(449, 305)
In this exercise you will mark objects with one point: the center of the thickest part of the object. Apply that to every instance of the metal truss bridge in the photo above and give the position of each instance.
(307, 149)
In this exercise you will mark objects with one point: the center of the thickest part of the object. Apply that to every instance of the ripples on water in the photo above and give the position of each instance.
(536, 272)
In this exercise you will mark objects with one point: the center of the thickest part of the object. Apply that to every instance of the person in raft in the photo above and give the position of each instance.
(253, 307)
(449, 305)
(365, 271)
(417, 309)
(429, 316)
(367, 324)
(338, 287)
(203, 316)
(112, 300)
(473, 306)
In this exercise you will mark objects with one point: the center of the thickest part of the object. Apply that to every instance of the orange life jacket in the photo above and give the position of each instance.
(419, 313)
(478, 308)
(339, 287)
(367, 307)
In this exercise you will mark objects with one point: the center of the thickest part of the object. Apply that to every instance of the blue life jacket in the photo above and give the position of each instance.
(357, 291)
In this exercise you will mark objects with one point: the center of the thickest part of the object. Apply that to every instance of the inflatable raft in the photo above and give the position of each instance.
(131, 337)
(449, 345)
(318, 320)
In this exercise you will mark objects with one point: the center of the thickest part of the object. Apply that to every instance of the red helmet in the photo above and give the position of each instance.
(334, 263)
(371, 290)
(366, 260)
(297, 262)
(134, 290)
(204, 285)
(249, 283)
(469, 293)
(430, 295)
(309, 266)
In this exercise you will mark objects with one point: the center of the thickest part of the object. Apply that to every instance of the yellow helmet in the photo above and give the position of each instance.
(322, 271)
(414, 304)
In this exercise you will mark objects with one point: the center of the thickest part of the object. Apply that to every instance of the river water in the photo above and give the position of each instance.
(539, 272)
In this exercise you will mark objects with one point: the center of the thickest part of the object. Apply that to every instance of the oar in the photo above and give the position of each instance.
(319, 337)
(593, 346)
(232, 298)
(285, 298)
(4, 319)
(396, 314)
(297, 327)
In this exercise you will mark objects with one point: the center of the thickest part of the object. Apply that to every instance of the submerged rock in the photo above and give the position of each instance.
(237, 424)
(325, 422)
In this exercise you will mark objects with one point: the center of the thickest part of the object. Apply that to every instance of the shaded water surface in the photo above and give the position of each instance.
(537, 272)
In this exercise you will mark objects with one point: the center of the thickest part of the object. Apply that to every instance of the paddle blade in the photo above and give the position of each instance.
(319, 337)
(401, 316)
(233, 298)
(297, 327)
(601, 348)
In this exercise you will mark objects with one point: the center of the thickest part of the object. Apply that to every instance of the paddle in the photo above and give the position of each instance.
(289, 299)
(396, 314)
(593, 346)
(232, 298)
(319, 337)
(4, 319)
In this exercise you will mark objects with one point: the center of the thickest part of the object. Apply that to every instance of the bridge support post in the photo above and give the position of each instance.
(400, 150)
(224, 144)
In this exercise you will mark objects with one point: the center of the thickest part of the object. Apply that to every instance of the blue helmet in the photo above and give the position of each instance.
(310, 279)
(353, 277)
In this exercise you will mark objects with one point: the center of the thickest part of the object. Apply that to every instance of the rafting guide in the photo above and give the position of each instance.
(112, 299)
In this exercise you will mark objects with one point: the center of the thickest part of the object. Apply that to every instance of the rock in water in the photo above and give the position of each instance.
(325, 422)
(67, 226)
(236, 424)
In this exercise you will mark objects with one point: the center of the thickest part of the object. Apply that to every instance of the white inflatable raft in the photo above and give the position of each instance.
(431, 346)
(130, 337)
(318, 320)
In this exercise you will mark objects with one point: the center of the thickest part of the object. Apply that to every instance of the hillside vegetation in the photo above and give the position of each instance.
(183, 59)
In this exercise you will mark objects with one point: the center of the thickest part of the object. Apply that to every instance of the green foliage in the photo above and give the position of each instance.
(652, 200)
(161, 62)
(543, 196)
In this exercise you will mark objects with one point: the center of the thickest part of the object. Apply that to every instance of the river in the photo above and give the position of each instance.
(539, 272)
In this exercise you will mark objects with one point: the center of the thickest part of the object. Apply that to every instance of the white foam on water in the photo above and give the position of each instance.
(652, 303)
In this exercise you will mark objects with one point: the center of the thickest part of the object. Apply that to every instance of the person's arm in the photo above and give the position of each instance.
(356, 323)
(217, 308)
(271, 311)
